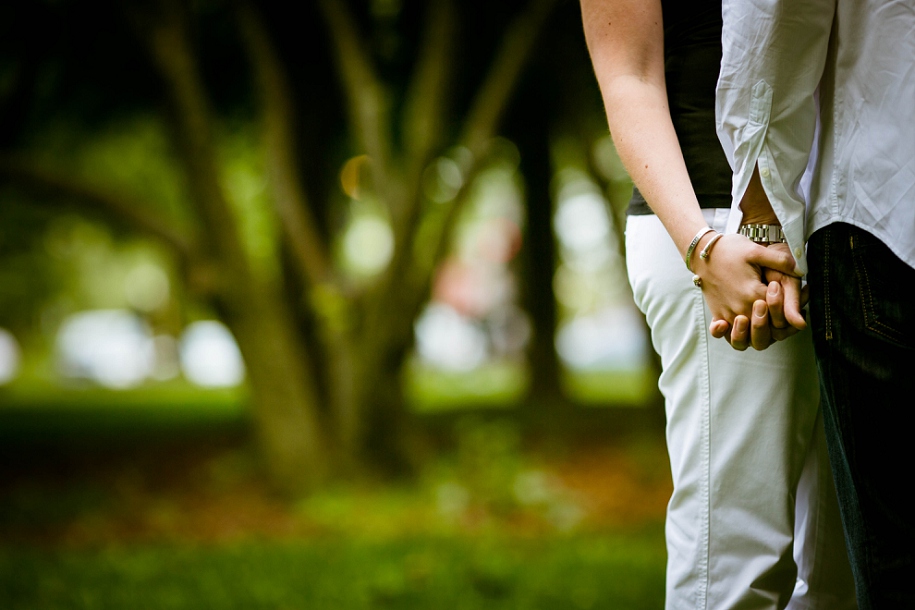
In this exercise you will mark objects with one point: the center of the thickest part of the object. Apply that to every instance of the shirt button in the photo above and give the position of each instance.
(798, 252)
(764, 172)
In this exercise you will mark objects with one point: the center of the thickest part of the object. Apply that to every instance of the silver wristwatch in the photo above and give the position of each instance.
(763, 234)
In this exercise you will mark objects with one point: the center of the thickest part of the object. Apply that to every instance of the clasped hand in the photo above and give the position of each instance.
(753, 292)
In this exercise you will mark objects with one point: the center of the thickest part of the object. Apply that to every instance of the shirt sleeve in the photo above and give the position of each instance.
(774, 53)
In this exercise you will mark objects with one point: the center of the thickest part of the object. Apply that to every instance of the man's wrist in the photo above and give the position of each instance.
(763, 233)
(766, 217)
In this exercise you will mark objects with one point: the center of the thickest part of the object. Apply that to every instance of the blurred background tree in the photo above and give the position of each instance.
(216, 131)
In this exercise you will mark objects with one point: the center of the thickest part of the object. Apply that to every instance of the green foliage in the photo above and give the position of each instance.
(96, 268)
(489, 480)
(54, 262)
(245, 184)
(26, 277)
(489, 461)
(603, 572)
(133, 156)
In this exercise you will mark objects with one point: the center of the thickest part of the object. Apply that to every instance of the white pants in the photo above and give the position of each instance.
(753, 520)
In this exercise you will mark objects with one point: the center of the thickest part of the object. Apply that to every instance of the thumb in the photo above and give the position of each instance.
(793, 306)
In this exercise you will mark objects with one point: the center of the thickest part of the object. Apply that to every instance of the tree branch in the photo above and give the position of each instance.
(494, 94)
(114, 207)
(488, 106)
(309, 252)
(424, 116)
(368, 106)
(479, 128)
(424, 268)
(424, 119)
(490, 103)
(169, 47)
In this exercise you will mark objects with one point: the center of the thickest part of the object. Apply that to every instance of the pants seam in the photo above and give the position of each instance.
(705, 488)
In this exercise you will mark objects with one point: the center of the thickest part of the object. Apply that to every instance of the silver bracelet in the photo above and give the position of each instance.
(694, 243)
(707, 250)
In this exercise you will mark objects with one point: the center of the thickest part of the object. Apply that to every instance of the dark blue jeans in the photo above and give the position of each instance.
(863, 318)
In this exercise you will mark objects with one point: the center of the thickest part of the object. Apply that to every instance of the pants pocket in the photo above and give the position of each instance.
(880, 276)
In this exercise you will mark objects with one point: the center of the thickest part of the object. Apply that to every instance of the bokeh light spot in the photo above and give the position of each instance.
(368, 244)
(351, 176)
(209, 355)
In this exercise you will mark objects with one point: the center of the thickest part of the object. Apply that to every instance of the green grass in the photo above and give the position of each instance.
(621, 388)
(49, 413)
(501, 384)
(504, 384)
(430, 390)
(169, 396)
(624, 572)
(342, 567)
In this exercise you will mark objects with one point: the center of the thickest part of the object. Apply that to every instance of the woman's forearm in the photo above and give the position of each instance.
(626, 42)
(643, 133)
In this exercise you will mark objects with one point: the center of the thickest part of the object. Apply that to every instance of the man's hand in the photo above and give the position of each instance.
(785, 298)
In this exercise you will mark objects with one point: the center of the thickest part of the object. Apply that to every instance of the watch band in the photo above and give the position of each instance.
(763, 234)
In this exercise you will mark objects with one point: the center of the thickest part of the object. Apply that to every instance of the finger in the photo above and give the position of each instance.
(719, 328)
(760, 336)
(740, 333)
(793, 315)
(779, 259)
(780, 334)
(775, 301)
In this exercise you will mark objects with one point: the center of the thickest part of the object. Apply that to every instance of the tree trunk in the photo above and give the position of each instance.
(528, 126)
(540, 261)
(387, 429)
(297, 450)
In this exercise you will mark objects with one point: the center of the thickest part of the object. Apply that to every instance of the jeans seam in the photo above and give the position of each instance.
(867, 295)
(826, 287)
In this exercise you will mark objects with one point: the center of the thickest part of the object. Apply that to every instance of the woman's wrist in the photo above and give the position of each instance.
(701, 236)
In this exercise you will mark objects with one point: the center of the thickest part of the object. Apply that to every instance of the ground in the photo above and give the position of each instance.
(209, 491)
(96, 506)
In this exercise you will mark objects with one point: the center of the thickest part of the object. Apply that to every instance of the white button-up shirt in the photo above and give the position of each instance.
(858, 58)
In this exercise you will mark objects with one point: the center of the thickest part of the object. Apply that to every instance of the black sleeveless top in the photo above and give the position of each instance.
(692, 60)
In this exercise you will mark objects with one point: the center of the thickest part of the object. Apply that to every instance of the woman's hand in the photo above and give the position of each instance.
(732, 275)
(774, 317)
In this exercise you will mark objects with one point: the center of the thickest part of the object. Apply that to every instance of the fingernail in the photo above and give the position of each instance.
(740, 323)
(773, 289)
(759, 309)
